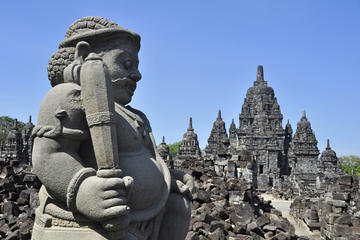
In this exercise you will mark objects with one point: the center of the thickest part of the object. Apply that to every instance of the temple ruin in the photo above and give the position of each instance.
(189, 150)
(164, 152)
(18, 144)
(261, 151)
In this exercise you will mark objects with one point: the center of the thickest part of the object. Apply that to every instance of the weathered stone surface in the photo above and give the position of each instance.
(18, 145)
(336, 213)
(95, 155)
(339, 203)
(262, 220)
(340, 196)
(218, 234)
(303, 156)
(189, 150)
(191, 236)
(328, 163)
(218, 142)
(269, 228)
(17, 213)
(268, 235)
(261, 132)
(249, 218)
(241, 237)
(164, 152)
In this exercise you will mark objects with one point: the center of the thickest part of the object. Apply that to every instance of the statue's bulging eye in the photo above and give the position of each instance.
(128, 64)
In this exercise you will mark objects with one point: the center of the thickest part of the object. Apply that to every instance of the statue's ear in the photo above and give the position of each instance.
(82, 49)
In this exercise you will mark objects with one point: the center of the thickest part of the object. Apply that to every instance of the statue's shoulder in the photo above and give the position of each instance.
(65, 99)
(141, 115)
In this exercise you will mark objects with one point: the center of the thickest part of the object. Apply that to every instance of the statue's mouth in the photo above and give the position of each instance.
(130, 85)
(127, 84)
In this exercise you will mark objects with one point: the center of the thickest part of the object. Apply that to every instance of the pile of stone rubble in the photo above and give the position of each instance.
(221, 209)
(336, 214)
(230, 209)
(340, 210)
(19, 198)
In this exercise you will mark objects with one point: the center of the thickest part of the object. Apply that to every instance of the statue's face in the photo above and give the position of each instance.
(122, 62)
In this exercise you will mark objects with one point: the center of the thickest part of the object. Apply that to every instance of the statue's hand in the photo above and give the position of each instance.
(103, 197)
(182, 183)
(189, 182)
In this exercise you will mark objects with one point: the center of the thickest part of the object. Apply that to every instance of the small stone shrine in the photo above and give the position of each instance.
(164, 152)
(303, 155)
(287, 141)
(18, 145)
(328, 163)
(189, 149)
(218, 142)
(27, 140)
(233, 135)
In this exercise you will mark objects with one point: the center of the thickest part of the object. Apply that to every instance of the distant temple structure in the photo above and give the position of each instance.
(18, 145)
(218, 144)
(164, 152)
(260, 150)
(329, 163)
(27, 140)
(218, 141)
(189, 149)
(303, 155)
(261, 131)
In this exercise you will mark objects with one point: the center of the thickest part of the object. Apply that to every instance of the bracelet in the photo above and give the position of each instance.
(74, 185)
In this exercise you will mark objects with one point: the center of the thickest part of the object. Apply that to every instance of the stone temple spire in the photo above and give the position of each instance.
(14, 143)
(260, 130)
(328, 144)
(15, 126)
(304, 140)
(288, 128)
(233, 134)
(303, 155)
(189, 147)
(288, 137)
(190, 128)
(27, 139)
(218, 140)
(329, 164)
(303, 152)
(164, 152)
(232, 125)
(260, 74)
(260, 114)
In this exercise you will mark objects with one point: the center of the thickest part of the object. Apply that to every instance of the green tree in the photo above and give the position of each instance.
(350, 164)
(6, 123)
(174, 148)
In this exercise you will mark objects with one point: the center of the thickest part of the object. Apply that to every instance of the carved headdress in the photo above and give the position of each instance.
(85, 29)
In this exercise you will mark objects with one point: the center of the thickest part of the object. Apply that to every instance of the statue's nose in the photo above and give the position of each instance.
(135, 76)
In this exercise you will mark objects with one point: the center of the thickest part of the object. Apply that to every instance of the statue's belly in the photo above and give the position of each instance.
(149, 183)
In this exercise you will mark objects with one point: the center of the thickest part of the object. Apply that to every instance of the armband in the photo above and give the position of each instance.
(74, 185)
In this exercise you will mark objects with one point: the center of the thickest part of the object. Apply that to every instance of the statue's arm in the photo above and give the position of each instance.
(95, 194)
(56, 162)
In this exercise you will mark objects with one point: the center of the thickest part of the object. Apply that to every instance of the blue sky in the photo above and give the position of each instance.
(198, 57)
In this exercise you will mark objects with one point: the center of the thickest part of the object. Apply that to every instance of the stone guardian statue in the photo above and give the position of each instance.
(95, 155)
